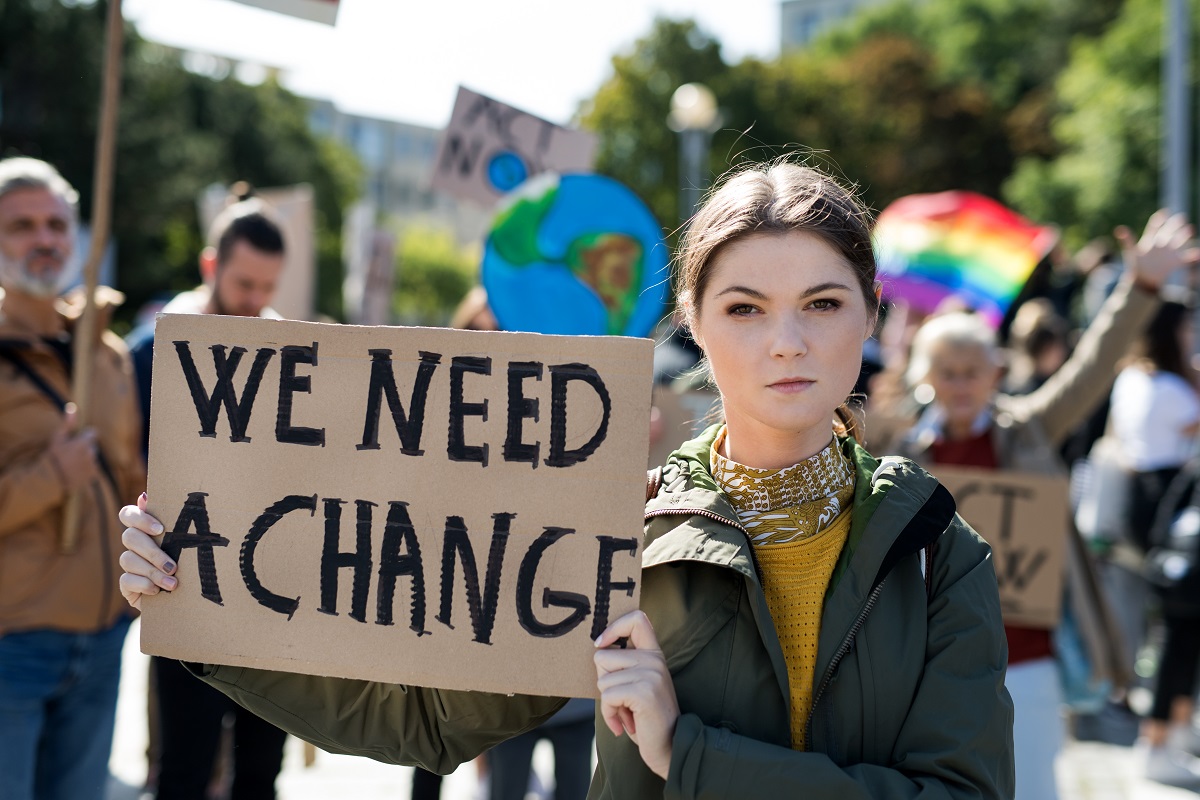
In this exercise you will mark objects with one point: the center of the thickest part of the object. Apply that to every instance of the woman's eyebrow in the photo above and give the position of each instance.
(746, 290)
(820, 287)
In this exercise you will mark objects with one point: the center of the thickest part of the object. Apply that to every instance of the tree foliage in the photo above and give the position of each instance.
(433, 273)
(914, 97)
(1108, 129)
(178, 132)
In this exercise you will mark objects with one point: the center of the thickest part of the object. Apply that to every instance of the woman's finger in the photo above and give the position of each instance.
(133, 564)
(134, 517)
(634, 626)
(614, 660)
(142, 545)
(134, 588)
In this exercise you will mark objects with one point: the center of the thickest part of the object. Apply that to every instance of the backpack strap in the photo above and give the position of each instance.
(37, 380)
(60, 402)
(922, 531)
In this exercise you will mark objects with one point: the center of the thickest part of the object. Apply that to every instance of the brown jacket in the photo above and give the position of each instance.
(40, 587)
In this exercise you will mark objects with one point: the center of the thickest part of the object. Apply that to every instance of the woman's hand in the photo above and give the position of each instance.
(637, 696)
(147, 567)
(1162, 249)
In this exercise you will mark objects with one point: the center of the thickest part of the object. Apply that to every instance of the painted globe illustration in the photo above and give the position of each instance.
(576, 254)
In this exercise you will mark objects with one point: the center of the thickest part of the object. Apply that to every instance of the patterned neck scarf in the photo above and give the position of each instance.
(782, 505)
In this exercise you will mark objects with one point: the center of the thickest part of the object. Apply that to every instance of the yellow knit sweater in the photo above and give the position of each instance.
(799, 519)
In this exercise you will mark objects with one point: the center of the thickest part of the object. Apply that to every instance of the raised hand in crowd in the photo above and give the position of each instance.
(1162, 250)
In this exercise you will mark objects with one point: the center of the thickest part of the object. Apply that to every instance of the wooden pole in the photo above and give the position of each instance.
(84, 339)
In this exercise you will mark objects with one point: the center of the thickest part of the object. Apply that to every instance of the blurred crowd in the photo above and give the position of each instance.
(1091, 375)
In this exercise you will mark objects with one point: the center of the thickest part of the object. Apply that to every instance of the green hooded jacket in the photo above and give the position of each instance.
(909, 700)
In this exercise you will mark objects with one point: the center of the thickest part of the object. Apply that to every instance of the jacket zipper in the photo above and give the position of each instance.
(841, 652)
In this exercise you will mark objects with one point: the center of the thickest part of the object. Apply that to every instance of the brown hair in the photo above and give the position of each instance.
(777, 198)
(780, 198)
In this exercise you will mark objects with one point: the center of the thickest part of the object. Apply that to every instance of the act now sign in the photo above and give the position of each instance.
(442, 508)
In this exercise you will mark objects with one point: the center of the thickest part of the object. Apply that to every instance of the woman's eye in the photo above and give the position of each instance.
(826, 304)
(742, 310)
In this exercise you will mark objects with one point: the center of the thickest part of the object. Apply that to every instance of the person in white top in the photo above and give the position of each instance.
(1155, 415)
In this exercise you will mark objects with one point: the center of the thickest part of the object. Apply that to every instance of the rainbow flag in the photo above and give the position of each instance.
(957, 244)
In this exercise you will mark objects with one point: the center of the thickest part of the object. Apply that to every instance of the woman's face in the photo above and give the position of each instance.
(782, 321)
(964, 381)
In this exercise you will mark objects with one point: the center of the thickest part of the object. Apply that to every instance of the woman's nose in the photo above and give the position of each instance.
(789, 339)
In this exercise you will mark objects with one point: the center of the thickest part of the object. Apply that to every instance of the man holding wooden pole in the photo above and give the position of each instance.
(62, 622)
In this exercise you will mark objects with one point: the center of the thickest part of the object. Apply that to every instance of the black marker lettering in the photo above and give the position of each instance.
(208, 408)
(195, 512)
(399, 528)
(383, 385)
(268, 518)
(604, 584)
(521, 408)
(459, 156)
(560, 376)
(289, 384)
(333, 560)
(457, 546)
(1010, 495)
(550, 598)
(456, 447)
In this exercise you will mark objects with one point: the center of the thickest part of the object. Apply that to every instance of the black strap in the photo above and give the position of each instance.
(38, 380)
(921, 533)
(52, 394)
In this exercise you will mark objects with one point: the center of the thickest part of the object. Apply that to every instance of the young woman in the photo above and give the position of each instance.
(1155, 415)
(815, 622)
(970, 424)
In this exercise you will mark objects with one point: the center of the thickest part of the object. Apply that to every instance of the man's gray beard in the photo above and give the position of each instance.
(15, 273)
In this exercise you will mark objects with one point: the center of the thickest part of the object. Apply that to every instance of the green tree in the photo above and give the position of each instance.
(1108, 132)
(433, 273)
(877, 111)
(630, 110)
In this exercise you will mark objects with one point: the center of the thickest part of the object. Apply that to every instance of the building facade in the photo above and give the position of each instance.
(800, 21)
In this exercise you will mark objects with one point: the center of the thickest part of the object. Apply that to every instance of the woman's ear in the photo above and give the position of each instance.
(208, 266)
(687, 321)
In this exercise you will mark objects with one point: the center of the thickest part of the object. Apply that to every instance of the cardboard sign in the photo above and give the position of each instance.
(490, 148)
(324, 11)
(443, 508)
(1024, 518)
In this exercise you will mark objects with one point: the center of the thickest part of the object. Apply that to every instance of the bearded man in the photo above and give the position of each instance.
(62, 619)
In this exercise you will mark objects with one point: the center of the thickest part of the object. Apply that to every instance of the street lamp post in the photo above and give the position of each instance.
(694, 116)
(1177, 125)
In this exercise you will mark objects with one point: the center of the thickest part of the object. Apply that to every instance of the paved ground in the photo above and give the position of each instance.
(1086, 771)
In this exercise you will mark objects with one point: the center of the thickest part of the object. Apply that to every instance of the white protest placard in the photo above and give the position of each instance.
(324, 11)
(1024, 518)
(490, 148)
(443, 508)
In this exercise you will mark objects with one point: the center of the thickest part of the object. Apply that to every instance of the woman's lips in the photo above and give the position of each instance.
(791, 385)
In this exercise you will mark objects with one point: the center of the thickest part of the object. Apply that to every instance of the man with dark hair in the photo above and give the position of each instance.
(62, 621)
(241, 267)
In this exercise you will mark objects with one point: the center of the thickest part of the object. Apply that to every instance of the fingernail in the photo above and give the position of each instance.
(170, 582)
(143, 498)
(158, 528)
(598, 638)
(169, 566)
